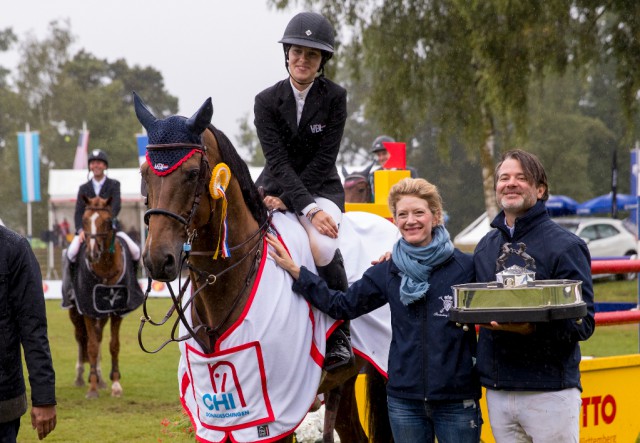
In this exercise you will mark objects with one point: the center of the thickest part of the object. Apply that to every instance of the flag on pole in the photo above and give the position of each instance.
(80, 160)
(29, 154)
(143, 141)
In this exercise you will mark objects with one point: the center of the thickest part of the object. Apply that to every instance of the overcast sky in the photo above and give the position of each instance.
(223, 49)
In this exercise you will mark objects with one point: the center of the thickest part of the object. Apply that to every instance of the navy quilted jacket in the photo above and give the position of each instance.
(430, 357)
(549, 358)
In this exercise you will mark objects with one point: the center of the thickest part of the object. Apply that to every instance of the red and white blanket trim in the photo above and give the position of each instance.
(262, 378)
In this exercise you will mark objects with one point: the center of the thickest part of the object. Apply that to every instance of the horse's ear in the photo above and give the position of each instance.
(345, 174)
(201, 119)
(108, 202)
(144, 114)
(86, 199)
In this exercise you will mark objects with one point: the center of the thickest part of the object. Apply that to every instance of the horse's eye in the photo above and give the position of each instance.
(193, 174)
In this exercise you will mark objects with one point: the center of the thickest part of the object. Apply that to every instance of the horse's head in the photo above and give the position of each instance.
(175, 177)
(357, 188)
(97, 224)
(184, 206)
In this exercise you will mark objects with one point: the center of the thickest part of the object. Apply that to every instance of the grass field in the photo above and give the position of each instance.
(150, 411)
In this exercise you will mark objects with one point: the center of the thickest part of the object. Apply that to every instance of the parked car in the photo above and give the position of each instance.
(605, 237)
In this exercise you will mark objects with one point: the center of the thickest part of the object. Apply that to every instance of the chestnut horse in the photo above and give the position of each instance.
(357, 187)
(101, 294)
(206, 214)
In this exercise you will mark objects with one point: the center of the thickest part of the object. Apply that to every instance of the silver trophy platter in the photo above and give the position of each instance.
(516, 296)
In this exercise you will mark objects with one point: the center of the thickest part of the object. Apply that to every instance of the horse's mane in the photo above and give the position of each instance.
(241, 172)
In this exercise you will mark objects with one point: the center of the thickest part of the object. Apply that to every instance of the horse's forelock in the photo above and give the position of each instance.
(171, 130)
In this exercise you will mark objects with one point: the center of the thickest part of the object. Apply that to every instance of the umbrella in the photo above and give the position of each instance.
(602, 204)
(559, 205)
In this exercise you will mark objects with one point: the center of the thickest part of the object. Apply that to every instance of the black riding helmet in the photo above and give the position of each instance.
(377, 145)
(312, 30)
(98, 154)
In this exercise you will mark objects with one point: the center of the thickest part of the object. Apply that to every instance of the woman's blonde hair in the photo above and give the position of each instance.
(417, 187)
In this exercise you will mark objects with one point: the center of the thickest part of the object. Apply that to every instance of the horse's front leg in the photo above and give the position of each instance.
(114, 348)
(94, 331)
(80, 333)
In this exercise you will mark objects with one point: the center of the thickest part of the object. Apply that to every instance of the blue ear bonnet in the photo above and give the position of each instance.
(171, 130)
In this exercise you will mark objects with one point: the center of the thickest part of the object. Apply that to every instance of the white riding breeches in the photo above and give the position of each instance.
(74, 247)
(323, 248)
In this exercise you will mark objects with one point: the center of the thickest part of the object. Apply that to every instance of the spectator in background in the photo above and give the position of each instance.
(382, 156)
(23, 323)
(531, 370)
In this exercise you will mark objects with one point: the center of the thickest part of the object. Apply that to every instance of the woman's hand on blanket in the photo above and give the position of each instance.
(282, 257)
(384, 257)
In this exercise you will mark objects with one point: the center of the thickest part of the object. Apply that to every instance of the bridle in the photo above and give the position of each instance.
(203, 277)
(98, 235)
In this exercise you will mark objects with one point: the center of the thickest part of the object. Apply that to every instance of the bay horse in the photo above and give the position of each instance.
(357, 187)
(206, 215)
(103, 290)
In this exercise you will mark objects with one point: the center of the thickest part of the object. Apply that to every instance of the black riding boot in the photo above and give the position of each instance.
(339, 352)
(68, 277)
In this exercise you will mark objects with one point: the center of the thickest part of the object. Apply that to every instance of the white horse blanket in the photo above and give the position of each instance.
(262, 378)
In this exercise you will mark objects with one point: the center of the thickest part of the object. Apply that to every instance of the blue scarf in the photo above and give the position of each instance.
(417, 262)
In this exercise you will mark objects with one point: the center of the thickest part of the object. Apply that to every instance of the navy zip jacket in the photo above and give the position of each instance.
(549, 358)
(430, 357)
(23, 323)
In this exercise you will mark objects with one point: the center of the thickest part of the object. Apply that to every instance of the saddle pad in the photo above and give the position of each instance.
(110, 299)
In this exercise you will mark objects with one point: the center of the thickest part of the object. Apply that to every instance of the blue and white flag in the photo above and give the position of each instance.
(29, 154)
(143, 141)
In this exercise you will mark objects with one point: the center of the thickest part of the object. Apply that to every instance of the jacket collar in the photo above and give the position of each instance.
(534, 216)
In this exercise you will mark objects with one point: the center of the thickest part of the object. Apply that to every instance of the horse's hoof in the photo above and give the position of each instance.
(92, 394)
(79, 382)
(102, 384)
(116, 390)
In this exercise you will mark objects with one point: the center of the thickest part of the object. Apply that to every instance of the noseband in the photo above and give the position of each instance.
(204, 168)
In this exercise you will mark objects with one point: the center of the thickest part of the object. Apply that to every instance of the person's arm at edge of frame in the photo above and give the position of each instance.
(35, 342)
(364, 296)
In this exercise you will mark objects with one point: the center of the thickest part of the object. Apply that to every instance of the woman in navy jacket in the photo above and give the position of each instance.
(433, 389)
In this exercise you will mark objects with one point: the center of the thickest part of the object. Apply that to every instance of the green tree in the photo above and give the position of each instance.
(465, 69)
(55, 91)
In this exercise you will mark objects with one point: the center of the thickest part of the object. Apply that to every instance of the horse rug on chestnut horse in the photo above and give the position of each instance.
(262, 377)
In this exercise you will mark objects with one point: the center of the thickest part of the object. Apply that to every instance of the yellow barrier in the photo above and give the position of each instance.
(383, 180)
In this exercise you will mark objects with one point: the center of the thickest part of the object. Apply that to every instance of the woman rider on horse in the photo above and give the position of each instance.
(300, 121)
